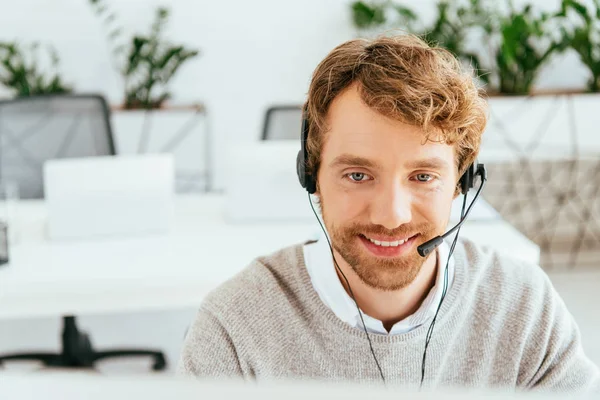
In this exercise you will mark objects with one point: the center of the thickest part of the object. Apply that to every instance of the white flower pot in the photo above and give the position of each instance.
(543, 159)
(542, 127)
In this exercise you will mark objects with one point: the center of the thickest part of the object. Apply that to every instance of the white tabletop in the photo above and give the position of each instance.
(174, 270)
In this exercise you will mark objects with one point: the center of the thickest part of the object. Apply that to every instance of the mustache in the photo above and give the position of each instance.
(402, 230)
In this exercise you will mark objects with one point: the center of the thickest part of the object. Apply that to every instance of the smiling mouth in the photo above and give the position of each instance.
(388, 248)
(383, 243)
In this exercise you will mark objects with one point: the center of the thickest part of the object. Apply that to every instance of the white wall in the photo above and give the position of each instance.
(254, 53)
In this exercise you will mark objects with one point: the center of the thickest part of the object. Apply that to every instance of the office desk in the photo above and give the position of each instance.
(169, 271)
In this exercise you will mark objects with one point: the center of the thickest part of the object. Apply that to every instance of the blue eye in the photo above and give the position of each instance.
(357, 176)
(424, 177)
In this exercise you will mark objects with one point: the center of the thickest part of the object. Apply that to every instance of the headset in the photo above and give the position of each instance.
(309, 182)
(467, 181)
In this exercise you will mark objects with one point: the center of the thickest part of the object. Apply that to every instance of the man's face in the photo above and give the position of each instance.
(383, 191)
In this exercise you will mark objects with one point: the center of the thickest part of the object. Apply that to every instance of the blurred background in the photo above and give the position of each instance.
(147, 153)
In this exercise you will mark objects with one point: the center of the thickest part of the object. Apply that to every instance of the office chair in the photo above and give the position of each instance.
(33, 130)
(282, 123)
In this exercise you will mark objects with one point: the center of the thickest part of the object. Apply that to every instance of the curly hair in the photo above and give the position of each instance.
(403, 78)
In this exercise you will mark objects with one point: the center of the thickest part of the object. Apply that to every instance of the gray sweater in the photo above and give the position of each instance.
(501, 325)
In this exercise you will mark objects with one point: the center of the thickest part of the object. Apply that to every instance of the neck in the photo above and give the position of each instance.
(390, 306)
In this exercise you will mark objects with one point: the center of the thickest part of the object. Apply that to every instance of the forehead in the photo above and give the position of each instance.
(356, 129)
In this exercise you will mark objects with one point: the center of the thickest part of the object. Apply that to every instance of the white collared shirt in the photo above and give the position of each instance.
(319, 263)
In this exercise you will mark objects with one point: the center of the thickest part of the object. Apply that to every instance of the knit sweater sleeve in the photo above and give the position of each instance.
(558, 362)
(208, 350)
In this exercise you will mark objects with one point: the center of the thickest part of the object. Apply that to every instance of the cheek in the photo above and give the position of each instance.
(435, 206)
(347, 205)
(341, 204)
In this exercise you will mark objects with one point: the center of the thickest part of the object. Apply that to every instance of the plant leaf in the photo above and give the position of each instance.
(367, 16)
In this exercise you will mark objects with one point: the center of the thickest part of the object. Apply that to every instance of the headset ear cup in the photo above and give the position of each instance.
(466, 181)
(300, 169)
(311, 184)
(306, 181)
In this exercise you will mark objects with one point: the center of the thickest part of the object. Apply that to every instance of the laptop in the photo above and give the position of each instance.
(110, 196)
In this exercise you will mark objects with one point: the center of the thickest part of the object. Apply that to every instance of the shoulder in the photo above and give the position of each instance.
(515, 306)
(499, 279)
(515, 301)
(265, 281)
(492, 266)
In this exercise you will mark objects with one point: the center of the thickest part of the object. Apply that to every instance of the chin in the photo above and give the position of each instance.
(384, 273)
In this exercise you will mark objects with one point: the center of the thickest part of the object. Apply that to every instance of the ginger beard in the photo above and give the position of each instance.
(386, 274)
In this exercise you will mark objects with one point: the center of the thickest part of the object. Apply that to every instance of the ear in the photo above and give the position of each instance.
(316, 202)
(317, 196)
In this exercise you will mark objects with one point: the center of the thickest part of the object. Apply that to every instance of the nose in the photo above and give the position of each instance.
(391, 206)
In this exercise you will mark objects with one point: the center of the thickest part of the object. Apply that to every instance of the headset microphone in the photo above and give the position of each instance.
(430, 245)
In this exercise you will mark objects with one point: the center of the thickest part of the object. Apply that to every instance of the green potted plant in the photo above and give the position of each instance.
(146, 121)
(514, 45)
(526, 121)
(146, 62)
(524, 45)
(21, 73)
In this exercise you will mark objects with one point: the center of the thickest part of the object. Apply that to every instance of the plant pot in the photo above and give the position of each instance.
(180, 131)
(542, 154)
(543, 127)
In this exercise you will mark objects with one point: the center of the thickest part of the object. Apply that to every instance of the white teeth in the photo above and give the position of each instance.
(387, 244)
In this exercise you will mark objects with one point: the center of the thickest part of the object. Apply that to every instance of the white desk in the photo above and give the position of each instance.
(161, 272)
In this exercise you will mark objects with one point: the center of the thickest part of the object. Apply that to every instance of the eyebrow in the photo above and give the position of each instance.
(356, 161)
(428, 163)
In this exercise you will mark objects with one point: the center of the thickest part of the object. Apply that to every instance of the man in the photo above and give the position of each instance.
(392, 126)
